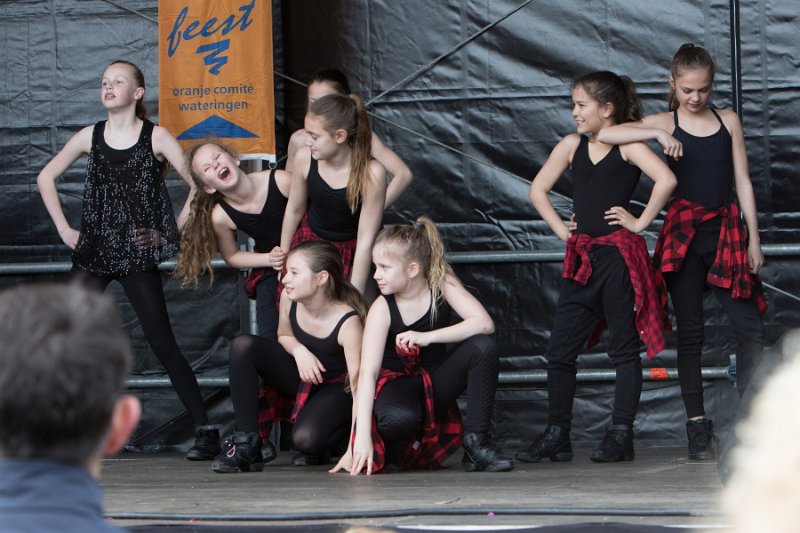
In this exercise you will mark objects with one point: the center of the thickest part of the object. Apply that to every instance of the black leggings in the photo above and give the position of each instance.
(323, 421)
(608, 296)
(472, 365)
(686, 289)
(146, 294)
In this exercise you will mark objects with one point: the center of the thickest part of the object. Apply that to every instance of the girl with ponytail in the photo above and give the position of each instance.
(405, 413)
(315, 359)
(332, 81)
(228, 200)
(607, 272)
(338, 190)
(703, 242)
(128, 225)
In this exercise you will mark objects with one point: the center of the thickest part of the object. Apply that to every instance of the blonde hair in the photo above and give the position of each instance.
(198, 240)
(689, 57)
(763, 492)
(348, 113)
(422, 243)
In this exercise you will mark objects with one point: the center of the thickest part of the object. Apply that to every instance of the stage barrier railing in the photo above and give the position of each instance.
(482, 257)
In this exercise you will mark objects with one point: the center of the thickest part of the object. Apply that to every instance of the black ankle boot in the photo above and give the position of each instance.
(553, 444)
(480, 454)
(242, 453)
(206, 444)
(617, 445)
(703, 444)
(268, 452)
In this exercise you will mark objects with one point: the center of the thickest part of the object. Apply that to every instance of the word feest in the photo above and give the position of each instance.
(209, 28)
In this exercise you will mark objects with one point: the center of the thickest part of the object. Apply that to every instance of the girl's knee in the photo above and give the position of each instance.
(307, 440)
(241, 349)
(398, 424)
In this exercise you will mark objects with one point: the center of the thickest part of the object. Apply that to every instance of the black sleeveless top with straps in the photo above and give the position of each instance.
(598, 187)
(329, 214)
(327, 349)
(263, 227)
(124, 195)
(705, 172)
(433, 353)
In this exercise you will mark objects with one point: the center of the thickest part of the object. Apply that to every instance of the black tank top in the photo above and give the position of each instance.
(433, 353)
(597, 187)
(329, 214)
(328, 350)
(705, 172)
(263, 227)
(124, 194)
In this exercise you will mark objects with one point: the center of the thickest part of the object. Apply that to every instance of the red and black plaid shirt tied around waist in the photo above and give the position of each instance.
(440, 436)
(730, 269)
(651, 317)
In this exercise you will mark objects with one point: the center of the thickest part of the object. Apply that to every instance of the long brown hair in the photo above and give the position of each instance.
(606, 87)
(689, 57)
(348, 113)
(422, 243)
(138, 79)
(198, 240)
(323, 256)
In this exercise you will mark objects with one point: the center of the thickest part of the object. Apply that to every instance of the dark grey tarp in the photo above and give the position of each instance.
(473, 96)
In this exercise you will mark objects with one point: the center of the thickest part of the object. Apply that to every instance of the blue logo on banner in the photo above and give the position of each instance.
(215, 126)
(209, 28)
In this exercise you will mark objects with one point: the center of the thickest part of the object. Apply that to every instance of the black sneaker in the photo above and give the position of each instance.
(206, 444)
(703, 444)
(242, 453)
(268, 452)
(481, 454)
(553, 444)
(616, 446)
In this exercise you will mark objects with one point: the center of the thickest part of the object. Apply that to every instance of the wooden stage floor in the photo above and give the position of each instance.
(660, 488)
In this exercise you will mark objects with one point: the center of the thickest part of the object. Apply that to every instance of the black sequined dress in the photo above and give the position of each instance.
(124, 195)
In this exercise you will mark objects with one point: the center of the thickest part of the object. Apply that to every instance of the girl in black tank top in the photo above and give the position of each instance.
(228, 200)
(406, 362)
(705, 148)
(128, 225)
(338, 190)
(608, 277)
(317, 355)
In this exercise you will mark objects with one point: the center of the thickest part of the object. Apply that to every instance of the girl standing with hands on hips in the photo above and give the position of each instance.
(226, 200)
(607, 270)
(405, 413)
(316, 358)
(331, 81)
(128, 226)
(337, 191)
(703, 243)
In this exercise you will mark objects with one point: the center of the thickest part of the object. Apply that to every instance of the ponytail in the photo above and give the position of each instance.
(138, 80)
(349, 113)
(689, 57)
(620, 91)
(360, 177)
(421, 242)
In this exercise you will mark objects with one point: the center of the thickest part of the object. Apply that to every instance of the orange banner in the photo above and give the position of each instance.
(215, 73)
